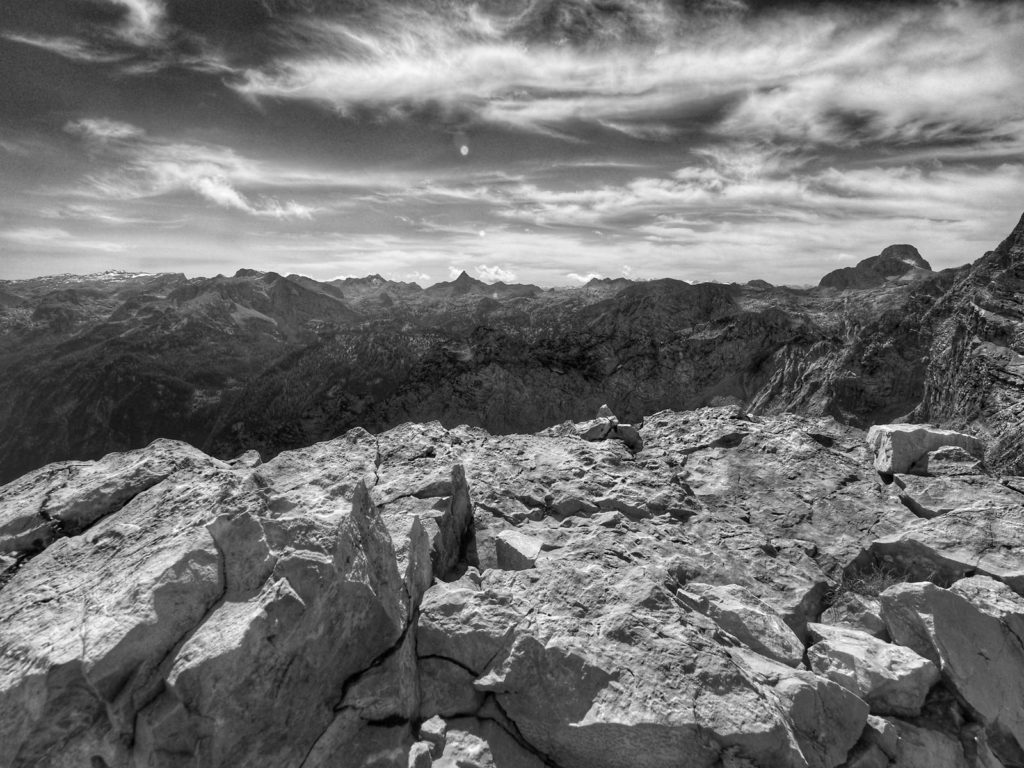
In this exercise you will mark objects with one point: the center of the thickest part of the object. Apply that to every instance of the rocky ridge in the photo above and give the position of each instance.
(733, 591)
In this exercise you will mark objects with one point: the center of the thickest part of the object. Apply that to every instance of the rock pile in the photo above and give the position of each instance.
(742, 592)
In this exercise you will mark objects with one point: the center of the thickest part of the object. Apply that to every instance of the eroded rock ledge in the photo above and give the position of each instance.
(722, 591)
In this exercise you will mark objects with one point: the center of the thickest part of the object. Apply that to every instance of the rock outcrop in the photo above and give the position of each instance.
(432, 596)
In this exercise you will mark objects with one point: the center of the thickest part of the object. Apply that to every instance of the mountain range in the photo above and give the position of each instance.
(258, 360)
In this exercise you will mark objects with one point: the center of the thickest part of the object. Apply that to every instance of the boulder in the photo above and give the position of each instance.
(971, 633)
(893, 680)
(983, 540)
(482, 743)
(923, 748)
(856, 611)
(517, 551)
(898, 447)
(826, 719)
(434, 731)
(749, 619)
(420, 755)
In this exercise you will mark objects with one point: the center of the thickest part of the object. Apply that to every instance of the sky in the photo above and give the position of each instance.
(543, 141)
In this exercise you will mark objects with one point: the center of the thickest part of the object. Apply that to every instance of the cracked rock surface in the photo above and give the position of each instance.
(449, 597)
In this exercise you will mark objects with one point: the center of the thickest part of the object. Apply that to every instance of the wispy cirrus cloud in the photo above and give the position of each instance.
(68, 47)
(53, 237)
(142, 166)
(931, 74)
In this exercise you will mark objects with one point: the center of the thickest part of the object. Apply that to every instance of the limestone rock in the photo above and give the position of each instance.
(65, 499)
(516, 551)
(898, 447)
(929, 497)
(420, 755)
(967, 540)
(826, 719)
(752, 621)
(923, 748)
(229, 605)
(893, 680)
(856, 611)
(951, 461)
(477, 743)
(318, 607)
(970, 632)
(434, 731)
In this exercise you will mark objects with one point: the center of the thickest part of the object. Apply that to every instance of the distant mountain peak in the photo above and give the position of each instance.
(894, 261)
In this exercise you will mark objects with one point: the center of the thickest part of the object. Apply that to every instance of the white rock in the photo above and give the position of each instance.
(892, 679)
(749, 619)
(898, 447)
(971, 633)
(517, 551)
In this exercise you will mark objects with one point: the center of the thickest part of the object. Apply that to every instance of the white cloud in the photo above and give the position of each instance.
(143, 166)
(143, 22)
(494, 273)
(67, 47)
(104, 129)
(584, 278)
(53, 237)
(937, 73)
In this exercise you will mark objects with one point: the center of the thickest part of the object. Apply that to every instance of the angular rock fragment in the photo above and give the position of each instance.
(971, 632)
(434, 731)
(923, 748)
(517, 551)
(749, 619)
(898, 447)
(892, 679)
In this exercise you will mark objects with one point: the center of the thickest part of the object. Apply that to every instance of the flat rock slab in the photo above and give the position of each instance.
(929, 497)
(892, 679)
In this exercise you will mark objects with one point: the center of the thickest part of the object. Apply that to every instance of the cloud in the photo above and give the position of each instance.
(104, 129)
(143, 21)
(584, 278)
(68, 47)
(494, 273)
(52, 237)
(142, 166)
(937, 73)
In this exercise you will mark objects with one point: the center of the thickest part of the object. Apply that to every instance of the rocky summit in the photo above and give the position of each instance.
(710, 588)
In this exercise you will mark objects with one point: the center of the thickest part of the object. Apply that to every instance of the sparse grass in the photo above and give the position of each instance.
(870, 581)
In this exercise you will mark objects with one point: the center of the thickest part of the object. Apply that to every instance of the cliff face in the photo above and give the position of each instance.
(735, 591)
(975, 373)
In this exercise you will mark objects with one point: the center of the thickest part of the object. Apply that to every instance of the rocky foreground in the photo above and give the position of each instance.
(713, 589)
